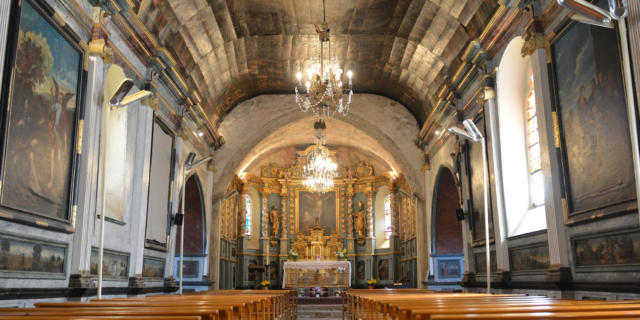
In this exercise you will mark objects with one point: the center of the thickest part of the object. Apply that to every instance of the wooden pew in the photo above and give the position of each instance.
(387, 304)
(211, 305)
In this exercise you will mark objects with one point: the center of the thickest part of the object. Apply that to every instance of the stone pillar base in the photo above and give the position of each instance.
(171, 285)
(503, 278)
(136, 282)
(83, 280)
(468, 277)
(559, 274)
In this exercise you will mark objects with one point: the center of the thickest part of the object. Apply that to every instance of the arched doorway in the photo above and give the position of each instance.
(446, 232)
(195, 257)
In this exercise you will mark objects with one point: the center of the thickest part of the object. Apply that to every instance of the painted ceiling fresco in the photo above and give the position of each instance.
(235, 49)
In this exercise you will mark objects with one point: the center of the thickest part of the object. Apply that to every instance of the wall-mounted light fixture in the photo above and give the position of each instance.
(585, 12)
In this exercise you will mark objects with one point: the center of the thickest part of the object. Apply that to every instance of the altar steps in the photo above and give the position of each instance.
(319, 311)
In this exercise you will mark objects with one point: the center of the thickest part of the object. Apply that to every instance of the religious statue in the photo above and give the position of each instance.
(274, 216)
(358, 220)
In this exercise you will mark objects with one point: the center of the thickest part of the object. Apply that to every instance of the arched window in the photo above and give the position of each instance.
(520, 148)
(247, 214)
(387, 216)
(536, 187)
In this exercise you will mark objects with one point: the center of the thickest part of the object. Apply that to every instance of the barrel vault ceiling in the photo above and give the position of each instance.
(233, 50)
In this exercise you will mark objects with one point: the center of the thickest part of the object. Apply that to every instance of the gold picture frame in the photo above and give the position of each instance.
(335, 194)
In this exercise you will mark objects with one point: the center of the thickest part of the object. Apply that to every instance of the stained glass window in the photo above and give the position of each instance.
(247, 215)
(387, 216)
(536, 186)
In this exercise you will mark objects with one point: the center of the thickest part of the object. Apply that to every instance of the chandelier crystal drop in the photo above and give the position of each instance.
(325, 90)
(320, 170)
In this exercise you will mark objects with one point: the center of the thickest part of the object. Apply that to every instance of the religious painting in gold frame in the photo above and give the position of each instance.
(317, 208)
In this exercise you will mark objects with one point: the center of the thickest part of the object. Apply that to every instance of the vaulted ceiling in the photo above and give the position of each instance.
(236, 49)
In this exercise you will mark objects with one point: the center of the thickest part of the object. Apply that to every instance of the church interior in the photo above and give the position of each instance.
(239, 158)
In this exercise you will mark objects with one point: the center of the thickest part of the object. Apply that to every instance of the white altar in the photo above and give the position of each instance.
(308, 274)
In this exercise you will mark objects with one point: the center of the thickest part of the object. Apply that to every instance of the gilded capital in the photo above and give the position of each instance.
(99, 48)
(152, 102)
(533, 42)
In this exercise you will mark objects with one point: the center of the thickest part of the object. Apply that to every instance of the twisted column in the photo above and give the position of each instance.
(283, 215)
(349, 212)
(369, 194)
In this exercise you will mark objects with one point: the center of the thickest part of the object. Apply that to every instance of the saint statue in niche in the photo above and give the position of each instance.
(358, 220)
(274, 216)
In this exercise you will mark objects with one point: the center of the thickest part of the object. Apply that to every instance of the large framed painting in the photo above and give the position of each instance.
(314, 208)
(592, 109)
(476, 186)
(42, 104)
(161, 179)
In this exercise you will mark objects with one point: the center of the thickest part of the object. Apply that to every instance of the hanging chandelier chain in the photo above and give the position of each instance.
(325, 91)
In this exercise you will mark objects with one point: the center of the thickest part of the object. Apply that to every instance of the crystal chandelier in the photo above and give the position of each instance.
(324, 91)
(320, 170)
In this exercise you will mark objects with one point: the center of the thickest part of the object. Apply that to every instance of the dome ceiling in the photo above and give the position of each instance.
(236, 49)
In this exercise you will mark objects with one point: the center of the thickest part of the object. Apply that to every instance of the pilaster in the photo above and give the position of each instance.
(495, 167)
(555, 201)
(88, 172)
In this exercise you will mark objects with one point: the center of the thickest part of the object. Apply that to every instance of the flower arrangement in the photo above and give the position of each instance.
(371, 282)
(293, 255)
(341, 254)
(264, 284)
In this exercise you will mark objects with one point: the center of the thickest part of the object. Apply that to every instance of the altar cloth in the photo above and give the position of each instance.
(309, 274)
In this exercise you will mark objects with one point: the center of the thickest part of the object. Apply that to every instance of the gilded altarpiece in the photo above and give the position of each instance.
(315, 225)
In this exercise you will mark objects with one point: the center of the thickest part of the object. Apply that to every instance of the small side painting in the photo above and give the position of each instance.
(190, 269)
(449, 268)
(114, 264)
(360, 272)
(25, 255)
(383, 269)
(152, 267)
(251, 270)
(618, 249)
(530, 258)
(481, 262)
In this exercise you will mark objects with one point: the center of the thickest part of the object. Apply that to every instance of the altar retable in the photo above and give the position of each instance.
(319, 269)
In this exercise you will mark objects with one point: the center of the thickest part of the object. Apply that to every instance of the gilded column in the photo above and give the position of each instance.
(369, 194)
(292, 218)
(264, 217)
(283, 212)
(349, 212)
(242, 222)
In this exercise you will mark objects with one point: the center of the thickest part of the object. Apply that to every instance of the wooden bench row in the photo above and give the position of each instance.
(209, 305)
(424, 304)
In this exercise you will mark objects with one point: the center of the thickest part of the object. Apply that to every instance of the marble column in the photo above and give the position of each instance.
(495, 167)
(555, 203)
(81, 253)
